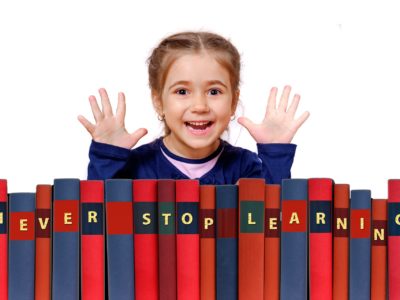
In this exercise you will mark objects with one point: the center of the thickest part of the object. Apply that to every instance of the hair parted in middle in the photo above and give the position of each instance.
(179, 44)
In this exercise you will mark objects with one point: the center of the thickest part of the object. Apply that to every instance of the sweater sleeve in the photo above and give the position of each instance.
(277, 160)
(106, 161)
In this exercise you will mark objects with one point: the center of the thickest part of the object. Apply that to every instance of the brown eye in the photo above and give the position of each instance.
(214, 92)
(181, 92)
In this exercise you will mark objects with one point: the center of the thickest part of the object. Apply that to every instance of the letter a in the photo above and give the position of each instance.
(294, 218)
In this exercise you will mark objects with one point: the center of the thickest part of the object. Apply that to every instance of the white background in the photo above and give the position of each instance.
(343, 57)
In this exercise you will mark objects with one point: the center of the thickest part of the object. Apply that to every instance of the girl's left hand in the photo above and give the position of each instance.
(279, 124)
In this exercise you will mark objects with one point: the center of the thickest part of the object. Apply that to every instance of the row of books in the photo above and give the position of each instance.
(176, 239)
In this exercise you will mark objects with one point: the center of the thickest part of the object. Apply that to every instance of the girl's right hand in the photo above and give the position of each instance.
(110, 128)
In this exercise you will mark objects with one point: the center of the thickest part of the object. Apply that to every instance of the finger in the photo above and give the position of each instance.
(271, 105)
(301, 120)
(284, 99)
(97, 114)
(246, 123)
(138, 134)
(89, 126)
(105, 103)
(293, 106)
(121, 107)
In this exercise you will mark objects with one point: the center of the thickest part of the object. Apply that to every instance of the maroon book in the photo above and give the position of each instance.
(166, 239)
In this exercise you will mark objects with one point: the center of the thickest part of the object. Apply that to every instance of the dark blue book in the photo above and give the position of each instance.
(65, 275)
(227, 242)
(21, 252)
(119, 237)
(294, 241)
(360, 244)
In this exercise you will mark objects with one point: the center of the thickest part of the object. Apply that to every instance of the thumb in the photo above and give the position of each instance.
(137, 135)
(89, 126)
(246, 123)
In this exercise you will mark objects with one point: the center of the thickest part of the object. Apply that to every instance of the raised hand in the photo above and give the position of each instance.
(279, 124)
(110, 128)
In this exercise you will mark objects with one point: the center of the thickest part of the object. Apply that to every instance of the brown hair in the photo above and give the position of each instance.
(172, 47)
(176, 45)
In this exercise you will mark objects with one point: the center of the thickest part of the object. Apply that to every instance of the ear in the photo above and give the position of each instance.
(235, 101)
(157, 103)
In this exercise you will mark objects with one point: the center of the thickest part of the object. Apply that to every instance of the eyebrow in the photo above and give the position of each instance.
(185, 82)
(211, 82)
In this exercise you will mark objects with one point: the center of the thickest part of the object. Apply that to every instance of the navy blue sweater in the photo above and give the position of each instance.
(273, 163)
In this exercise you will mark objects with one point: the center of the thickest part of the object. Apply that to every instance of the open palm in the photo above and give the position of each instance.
(279, 124)
(110, 128)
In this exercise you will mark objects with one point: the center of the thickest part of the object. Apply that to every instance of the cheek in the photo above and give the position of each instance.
(223, 108)
(169, 104)
(174, 111)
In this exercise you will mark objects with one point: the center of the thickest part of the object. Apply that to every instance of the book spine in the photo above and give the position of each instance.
(166, 239)
(146, 240)
(294, 239)
(379, 249)
(360, 244)
(188, 239)
(3, 240)
(320, 194)
(92, 240)
(43, 242)
(207, 242)
(251, 238)
(119, 239)
(21, 263)
(227, 242)
(272, 241)
(65, 281)
(394, 238)
(341, 233)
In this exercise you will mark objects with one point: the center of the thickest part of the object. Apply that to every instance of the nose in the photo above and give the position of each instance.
(200, 104)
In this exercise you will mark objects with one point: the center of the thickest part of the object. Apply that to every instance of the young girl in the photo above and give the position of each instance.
(194, 79)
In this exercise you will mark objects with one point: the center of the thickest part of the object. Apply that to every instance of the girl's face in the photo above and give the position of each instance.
(197, 101)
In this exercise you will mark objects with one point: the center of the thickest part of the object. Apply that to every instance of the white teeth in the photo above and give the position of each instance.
(198, 123)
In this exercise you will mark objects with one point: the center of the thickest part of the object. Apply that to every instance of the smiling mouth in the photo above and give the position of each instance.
(201, 125)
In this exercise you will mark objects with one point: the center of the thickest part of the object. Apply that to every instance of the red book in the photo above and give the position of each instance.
(188, 239)
(393, 208)
(379, 249)
(43, 242)
(3, 240)
(207, 242)
(272, 241)
(145, 239)
(251, 238)
(341, 222)
(320, 194)
(92, 240)
(166, 239)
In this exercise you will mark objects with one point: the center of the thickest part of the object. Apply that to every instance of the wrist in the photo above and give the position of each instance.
(273, 141)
